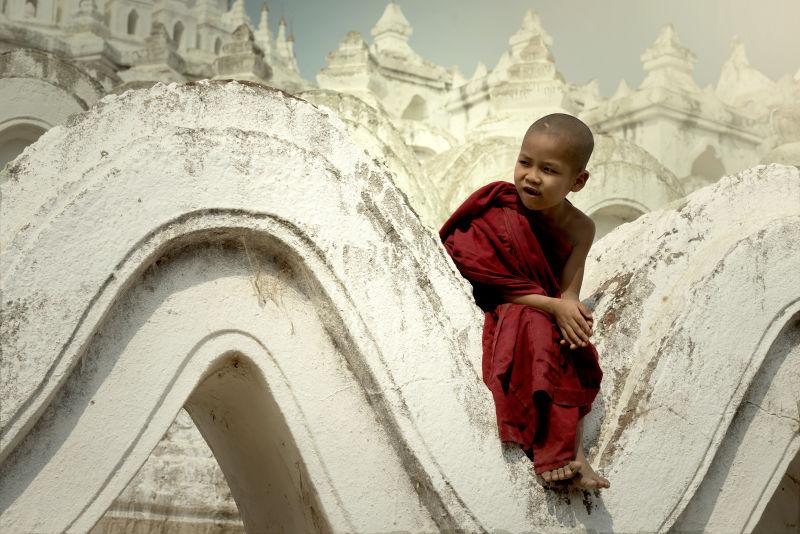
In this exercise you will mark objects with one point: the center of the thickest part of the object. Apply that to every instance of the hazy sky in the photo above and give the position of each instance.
(600, 39)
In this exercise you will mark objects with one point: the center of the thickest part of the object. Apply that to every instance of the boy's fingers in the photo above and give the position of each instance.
(572, 337)
(563, 332)
(583, 329)
(576, 330)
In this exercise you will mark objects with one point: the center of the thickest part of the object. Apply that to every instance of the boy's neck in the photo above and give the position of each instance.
(556, 214)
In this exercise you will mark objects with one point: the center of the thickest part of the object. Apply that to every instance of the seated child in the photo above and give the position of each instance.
(523, 246)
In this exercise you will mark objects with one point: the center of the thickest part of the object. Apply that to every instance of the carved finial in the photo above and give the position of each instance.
(243, 33)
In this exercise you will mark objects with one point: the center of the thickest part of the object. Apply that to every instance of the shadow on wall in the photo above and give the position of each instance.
(14, 139)
(609, 217)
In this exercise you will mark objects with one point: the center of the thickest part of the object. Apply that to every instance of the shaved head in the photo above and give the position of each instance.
(572, 131)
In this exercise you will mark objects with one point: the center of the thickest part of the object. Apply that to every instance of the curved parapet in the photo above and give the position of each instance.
(39, 90)
(625, 182)
(372, 128)
(697, 308)
(458, 172)
(227, 248)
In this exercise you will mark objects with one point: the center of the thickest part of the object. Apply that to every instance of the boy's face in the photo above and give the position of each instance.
(546, 171)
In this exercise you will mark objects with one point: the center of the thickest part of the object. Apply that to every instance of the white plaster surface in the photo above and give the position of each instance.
(697, 134)
(228, 247)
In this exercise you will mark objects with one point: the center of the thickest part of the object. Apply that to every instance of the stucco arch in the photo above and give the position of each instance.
(39, 90)
(761, 444)
(426, 140)
(464, 168)
(373, 130)
(46, 68)
(179, 190)
(623, 173)
(16, 135)
(238, 371)
(668, 376)
(613, 212)
(301, 142)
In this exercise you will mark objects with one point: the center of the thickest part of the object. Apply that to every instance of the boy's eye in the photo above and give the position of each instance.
(550, 170)
(523, 162)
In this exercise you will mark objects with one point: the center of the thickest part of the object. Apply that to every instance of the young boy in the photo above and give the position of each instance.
(523, 246)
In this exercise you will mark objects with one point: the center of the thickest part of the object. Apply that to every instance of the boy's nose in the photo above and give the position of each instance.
(533, 177)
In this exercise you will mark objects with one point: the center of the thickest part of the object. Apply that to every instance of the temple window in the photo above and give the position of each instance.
(177, 33)
(416, 110)
(708, 165)
(133, 18)
(30, 9)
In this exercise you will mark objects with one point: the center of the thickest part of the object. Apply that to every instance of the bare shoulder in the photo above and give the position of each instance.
(579, 227)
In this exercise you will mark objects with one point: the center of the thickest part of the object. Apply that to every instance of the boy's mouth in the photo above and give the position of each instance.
(531, 191)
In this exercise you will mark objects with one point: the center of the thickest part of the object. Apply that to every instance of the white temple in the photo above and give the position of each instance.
(445, 135)
(161, 250)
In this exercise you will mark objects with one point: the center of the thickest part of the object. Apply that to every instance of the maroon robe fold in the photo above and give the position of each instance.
(540, 387)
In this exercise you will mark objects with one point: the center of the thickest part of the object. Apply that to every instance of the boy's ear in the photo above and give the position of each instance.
(580, 180)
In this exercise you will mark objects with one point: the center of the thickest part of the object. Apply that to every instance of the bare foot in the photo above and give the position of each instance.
(562, 473)
(587, 478)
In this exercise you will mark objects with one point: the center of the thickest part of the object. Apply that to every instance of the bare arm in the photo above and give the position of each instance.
(573, 318)
(540, 302)
(572, 275)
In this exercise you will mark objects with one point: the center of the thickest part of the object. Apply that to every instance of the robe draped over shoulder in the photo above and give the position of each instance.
(540, 387)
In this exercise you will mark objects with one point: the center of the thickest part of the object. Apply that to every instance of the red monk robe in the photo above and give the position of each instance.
(541, 388)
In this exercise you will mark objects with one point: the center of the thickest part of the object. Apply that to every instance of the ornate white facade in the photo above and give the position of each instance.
(445, 135)
(441, 136)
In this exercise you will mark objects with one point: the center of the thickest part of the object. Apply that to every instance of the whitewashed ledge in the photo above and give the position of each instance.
(227, 247)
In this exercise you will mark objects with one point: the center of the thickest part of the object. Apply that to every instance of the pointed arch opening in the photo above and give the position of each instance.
(133, 19)
(30, 9)
(610, 216)
(708, 165)
(177, 33)
(416, 110)
(14, 139)
(180, 488)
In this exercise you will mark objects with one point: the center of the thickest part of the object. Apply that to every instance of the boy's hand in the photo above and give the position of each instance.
(574, 319)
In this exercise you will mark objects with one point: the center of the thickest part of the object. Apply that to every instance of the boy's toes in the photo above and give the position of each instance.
(547, 476)
(574, 467)
(568, 471)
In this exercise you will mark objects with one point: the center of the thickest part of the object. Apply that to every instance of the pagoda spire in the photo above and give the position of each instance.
(262, 35)
(238, 15)
(392, 31)
(281, 45)
(669, 63)
(738, 79)
(531, 33)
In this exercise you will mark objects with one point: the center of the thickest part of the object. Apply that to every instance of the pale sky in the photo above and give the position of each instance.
(600, 39)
